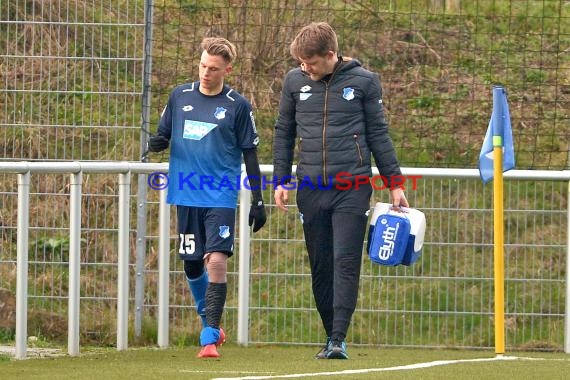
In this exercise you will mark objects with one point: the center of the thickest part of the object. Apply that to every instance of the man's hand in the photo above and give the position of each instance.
(398, 198)
(281, 197)
(157, 143)
(257, 216)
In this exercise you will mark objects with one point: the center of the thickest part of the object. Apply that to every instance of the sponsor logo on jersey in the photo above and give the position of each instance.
(196, 130)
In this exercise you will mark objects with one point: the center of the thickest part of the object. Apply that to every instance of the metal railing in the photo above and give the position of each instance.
(124, 171)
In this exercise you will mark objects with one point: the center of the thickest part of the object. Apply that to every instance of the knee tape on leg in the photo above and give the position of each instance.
(217, 268)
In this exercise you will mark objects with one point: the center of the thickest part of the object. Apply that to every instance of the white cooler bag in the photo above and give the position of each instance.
(395, 237)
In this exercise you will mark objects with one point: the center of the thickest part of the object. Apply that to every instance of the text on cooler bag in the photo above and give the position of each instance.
(389, 238)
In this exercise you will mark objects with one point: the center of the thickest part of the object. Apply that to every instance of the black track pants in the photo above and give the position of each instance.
(334, 223)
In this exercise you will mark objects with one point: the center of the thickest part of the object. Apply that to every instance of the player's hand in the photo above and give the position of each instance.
(257, 216)
(281, 197)
(157, 143)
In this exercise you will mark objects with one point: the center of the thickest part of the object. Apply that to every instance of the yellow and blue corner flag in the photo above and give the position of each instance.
(499, 134)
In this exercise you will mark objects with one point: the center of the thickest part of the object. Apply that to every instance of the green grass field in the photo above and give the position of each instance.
(269, 362)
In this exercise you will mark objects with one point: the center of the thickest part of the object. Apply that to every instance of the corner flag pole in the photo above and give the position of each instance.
(499, 254)
(497, 156)
(498, 126)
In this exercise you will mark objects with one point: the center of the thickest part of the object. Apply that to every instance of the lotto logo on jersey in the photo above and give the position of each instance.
(196, 130)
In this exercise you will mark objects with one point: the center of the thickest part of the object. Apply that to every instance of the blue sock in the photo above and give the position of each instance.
(209, 335)
(198, 288)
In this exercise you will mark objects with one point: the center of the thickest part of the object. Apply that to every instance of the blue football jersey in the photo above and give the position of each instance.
(207, 136)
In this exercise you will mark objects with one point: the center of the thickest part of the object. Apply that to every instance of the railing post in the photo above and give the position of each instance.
(74, 262)
(567, 314)
(243, 270)
(22, 265)
(142, 178)
(123, 262)
(163, 269)
(140, 252)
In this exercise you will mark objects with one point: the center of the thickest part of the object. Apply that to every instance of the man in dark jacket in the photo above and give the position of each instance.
(333, 106)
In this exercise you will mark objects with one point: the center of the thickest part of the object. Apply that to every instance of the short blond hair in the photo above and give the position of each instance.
(221, 47)
(315, 39)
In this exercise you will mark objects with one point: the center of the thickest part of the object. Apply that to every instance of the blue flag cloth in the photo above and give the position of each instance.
(499, 134)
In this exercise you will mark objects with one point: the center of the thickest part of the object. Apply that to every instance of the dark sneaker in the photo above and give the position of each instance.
(322, 354)
(337, 350)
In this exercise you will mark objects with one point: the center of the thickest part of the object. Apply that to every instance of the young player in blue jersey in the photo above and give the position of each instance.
(209, 126)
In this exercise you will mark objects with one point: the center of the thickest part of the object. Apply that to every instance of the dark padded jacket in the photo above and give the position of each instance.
(338, 121)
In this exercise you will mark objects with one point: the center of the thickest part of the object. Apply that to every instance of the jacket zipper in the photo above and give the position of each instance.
(325, 118)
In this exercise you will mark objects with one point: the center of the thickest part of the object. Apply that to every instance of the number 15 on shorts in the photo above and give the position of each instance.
(187, 244)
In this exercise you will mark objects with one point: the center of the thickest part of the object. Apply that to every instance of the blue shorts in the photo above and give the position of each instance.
(204, 230)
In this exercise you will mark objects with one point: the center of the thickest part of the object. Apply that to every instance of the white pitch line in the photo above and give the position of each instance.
(213, 371)
(370, 370)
